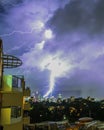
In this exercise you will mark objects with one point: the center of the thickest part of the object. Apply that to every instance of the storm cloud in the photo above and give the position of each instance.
(78, 31)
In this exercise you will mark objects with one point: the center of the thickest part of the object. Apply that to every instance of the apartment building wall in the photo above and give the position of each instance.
(16, 126)
(1, 63)
(11, 105)
(26, 107)
(12, 95)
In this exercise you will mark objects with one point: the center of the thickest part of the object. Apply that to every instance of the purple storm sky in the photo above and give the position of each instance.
(78, 40)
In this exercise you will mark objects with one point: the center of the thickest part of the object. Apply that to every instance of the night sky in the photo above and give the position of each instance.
(63, 39)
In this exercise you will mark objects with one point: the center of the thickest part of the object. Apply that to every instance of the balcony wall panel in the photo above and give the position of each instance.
(15, 126)
(12, 99)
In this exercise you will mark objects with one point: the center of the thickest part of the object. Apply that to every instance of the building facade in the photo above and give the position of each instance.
(12, 96)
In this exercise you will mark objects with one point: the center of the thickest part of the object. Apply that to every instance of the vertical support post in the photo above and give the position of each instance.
(1, 63)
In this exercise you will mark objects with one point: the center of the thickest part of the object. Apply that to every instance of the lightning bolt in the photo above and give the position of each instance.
(39, 46)
(38, 25)
(17, 31)
(57, 68)
(51, 84)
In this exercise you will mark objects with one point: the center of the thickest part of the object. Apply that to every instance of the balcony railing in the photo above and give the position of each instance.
(12, 83)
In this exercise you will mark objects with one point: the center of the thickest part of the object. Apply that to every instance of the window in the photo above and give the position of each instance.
(16, 82)
(15, 111)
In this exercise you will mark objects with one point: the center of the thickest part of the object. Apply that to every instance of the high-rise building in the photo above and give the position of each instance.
(12, 95)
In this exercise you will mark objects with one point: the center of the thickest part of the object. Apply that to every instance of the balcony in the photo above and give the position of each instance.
(12, 99)
(12, 83)
(6, 117)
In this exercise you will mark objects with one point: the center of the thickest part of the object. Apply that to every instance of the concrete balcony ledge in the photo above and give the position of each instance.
(12, 99)
(15, 120)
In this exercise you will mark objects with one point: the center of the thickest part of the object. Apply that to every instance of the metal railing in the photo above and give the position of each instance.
(10, 61)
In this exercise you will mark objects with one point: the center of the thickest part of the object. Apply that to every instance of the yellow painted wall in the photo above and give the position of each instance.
(26, 104)
(16, 126)
(5, 116)
(12, 99)
(7, 83)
